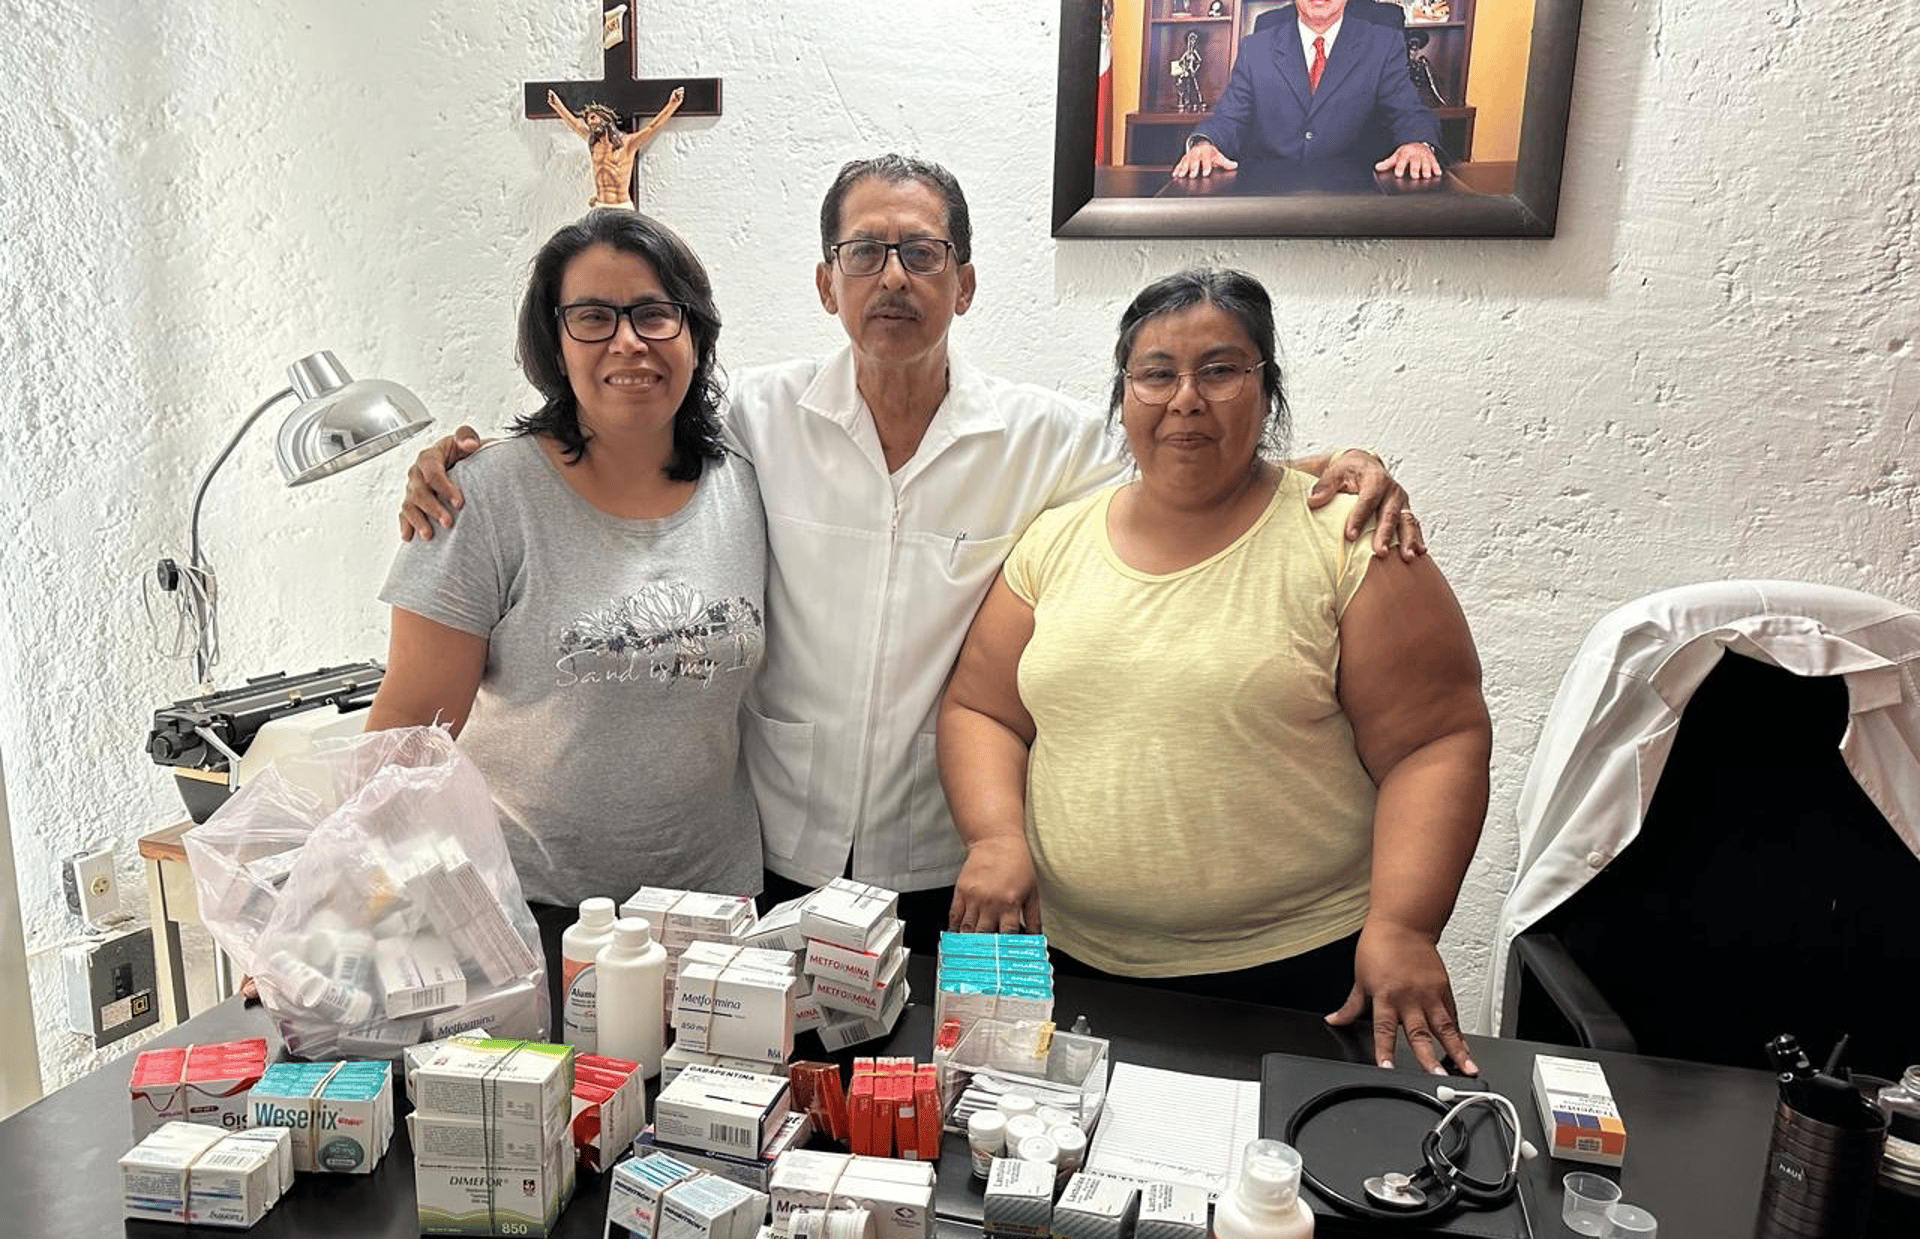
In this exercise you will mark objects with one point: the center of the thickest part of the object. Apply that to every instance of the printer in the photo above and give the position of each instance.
(216, 742)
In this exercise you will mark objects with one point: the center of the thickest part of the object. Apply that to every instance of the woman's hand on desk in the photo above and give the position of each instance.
(1400, 972)
(996, 891)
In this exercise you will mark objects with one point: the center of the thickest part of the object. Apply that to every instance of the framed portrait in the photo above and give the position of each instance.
(1484, 85)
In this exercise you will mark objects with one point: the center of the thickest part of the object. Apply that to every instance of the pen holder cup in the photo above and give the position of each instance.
(1819, 1180)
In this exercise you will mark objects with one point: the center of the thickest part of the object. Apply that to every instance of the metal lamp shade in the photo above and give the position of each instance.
(341, 421)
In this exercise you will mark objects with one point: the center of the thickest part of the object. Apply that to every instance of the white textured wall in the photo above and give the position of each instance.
(1708, 373)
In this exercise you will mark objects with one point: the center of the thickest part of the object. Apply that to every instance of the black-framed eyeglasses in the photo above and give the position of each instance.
(594, 322)
(1217, 380)
(919, 255)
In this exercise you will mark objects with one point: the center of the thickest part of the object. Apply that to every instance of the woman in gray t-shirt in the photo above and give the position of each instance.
(591, 624)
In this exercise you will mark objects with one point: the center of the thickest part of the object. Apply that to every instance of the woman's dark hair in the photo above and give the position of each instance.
(696, 424)
(1241, 296)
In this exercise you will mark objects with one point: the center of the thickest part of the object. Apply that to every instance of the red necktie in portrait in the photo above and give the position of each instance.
(1319, 64)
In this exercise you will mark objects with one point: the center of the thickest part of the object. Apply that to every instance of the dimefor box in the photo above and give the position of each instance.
(468, 1140)
(1172, 1211)
(1577, 1111)
(849, 913)
(725, 1111)
(709, 1207)
(1019, 1199)
(634, 1189)
(1095, 1207)
(472, 1200)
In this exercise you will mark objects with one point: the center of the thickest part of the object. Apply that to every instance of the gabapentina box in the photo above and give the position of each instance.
(734, 1010)
(634, 1189)
(514, 1081)
(475, 1200)
(851, 914)
(725, 1111)
(1577, 1111)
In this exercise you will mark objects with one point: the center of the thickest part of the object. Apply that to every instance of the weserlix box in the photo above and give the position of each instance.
(725, 1111)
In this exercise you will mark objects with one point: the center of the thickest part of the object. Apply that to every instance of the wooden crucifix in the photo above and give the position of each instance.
(621, 111)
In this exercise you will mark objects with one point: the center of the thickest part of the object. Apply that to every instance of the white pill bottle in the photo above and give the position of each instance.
(1265, 1203)
(632, 997)
(579, 947)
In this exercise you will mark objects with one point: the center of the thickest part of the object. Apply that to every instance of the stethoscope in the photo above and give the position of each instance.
(1439, 1186)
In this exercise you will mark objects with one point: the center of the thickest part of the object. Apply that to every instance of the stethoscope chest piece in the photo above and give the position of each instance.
(1395, 1191)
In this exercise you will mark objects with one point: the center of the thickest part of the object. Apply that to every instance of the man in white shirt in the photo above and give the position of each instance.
(896, 478)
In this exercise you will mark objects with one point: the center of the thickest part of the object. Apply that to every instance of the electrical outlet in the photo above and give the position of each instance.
(92, 886)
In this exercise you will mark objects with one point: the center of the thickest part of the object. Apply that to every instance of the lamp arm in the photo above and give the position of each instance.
(201, 592)
(193, 523)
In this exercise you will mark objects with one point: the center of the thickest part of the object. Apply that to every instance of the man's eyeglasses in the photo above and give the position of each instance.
(920, 256)
(1217, 380)
(590, 322)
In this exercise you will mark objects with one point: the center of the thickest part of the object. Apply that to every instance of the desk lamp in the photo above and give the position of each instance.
(339, 422)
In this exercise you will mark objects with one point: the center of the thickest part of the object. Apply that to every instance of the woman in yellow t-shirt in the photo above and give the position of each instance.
(1219, 752)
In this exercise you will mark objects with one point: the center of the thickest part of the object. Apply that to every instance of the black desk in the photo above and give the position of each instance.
(1697, 1134)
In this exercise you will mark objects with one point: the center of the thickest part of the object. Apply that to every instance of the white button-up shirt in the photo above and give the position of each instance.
(1614, 720)
(872, 581)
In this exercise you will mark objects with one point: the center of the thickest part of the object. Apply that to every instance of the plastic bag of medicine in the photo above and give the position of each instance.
(366, 887)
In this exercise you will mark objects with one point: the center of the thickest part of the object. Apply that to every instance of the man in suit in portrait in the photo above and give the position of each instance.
(1319, 85)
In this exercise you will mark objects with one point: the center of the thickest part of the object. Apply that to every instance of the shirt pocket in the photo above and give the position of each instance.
(780, 768)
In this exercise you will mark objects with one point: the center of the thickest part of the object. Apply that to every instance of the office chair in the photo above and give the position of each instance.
(1765, 894)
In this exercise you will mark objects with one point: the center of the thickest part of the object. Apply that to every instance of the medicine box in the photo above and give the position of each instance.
(902, 1208)
(418, 975)
(474, 1200)
(841, 1029)
(205, 1083)
(1171, 1211)
(1095, 1207)
(1019, 1199)
(340, 1114)
(512, 1081)
(701, 917)
(725, 1111)
(154, 1173)
(864, 999)
(779, 929)
(634, 1189)
(1577, 1111)
(753, 1172)
(804, 1179)
(735, 1010)
(709, 1207)
(853, 967)
(848, 913)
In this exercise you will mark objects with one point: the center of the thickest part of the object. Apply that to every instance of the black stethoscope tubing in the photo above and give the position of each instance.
(1446, 1185)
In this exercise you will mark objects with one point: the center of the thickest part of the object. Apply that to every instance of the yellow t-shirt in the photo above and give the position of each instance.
(1194, 800)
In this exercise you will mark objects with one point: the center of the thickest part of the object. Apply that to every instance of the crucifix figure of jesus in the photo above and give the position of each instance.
(613, 150)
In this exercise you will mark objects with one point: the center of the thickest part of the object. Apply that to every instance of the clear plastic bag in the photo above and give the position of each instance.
(366, 888)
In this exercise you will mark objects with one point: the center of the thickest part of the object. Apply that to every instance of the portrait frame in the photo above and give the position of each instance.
(1460, 209)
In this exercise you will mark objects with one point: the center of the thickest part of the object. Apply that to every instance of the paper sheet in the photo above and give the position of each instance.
(1173, 1127)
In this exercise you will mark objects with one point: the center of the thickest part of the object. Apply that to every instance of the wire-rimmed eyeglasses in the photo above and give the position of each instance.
(1217, 380)
(594, 322)
(918, 255)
